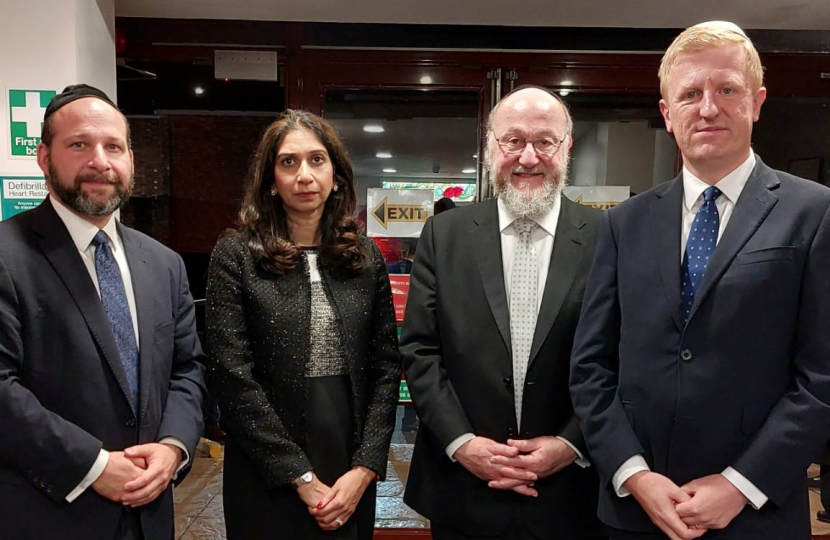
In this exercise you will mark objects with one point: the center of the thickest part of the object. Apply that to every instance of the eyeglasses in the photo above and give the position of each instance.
(512, 144)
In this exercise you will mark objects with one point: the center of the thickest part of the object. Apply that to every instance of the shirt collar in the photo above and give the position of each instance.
(730, 185)
(546, 221)
(82, 231)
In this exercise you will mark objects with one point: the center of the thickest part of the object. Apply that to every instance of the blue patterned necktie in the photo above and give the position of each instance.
(114, 298)
(703, 238)
(523, 285)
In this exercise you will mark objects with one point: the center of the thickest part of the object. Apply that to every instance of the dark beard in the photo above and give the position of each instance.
(74, 198)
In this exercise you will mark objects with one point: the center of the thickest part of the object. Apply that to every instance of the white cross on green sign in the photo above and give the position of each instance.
(26, 108)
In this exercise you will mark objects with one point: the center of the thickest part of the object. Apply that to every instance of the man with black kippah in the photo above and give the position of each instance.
(494, 299)
(100, 376)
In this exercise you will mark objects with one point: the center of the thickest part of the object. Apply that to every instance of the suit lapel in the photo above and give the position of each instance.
(753, 206)
(486, 241)
(142, 283)
(666, 210)
(568, 250)
(60, 251)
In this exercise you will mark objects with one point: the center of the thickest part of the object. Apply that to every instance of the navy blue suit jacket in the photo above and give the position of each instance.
(63, 391)
(744, 383)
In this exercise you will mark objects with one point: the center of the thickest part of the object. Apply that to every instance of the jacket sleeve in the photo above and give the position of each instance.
(595, 363)
(796, 429)
(384, 374)
(436, 402)
(246, 412)
(49, 451)
(182, 418)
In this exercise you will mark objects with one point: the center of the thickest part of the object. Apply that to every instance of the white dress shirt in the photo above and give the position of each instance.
(82, 233)
(542, 239)
(731, 187)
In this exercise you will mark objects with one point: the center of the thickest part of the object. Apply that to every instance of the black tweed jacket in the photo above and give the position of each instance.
(258, 342)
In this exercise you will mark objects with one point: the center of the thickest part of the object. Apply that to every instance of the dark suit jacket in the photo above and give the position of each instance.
(745, 383)
(456, 348)
(258, 334)
(63, 391)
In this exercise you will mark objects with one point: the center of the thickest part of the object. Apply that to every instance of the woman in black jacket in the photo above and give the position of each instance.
(302, 345)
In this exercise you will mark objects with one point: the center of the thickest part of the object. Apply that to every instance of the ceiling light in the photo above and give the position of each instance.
(426, 79)
(198, 90)
(384, 155)
(390, 170)
(564, 93)
(475, 156)
(373, 128)
(566, 82)
(469, 170)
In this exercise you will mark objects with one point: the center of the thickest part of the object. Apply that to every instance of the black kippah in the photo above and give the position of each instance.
(73, 92)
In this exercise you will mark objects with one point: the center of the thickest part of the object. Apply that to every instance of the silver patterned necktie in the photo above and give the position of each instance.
(523, 290)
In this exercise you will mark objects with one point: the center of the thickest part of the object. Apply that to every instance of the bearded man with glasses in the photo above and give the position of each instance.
(494, 300)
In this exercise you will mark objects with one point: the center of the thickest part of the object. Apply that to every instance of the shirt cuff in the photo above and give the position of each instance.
(185, 455)
(453, 447)
(94, 473)
(755, 496)
(629, 468)
(580, 459)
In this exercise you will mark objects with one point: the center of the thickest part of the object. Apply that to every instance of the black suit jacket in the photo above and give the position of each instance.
(258, 334)
(63, 391)
(744, 383)
(456, 348)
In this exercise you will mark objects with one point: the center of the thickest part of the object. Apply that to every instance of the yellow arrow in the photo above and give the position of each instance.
(385, 213)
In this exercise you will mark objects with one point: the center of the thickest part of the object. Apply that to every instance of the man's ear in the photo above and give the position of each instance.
(760, 97)
(664, 110)
(43, 158)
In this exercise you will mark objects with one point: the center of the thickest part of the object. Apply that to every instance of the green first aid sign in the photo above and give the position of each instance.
(26, 108)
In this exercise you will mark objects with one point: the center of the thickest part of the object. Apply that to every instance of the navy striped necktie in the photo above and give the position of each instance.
(114, 298)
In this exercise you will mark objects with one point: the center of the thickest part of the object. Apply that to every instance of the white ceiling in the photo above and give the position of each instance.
(757, 14)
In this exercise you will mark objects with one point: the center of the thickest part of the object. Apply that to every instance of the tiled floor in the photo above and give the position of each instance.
(199, 497)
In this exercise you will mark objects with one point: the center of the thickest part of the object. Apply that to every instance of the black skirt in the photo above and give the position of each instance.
(252, 512)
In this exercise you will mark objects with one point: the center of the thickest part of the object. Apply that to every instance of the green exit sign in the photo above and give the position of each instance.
(403, 394)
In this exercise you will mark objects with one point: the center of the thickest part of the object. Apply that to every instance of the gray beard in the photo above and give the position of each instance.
(534, 206)
(74, 198)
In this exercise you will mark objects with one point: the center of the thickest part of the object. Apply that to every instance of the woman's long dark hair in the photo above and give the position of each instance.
(262, 219)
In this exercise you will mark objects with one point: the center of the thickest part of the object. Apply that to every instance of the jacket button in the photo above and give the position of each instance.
(130, 422)
(685, 355)
(508, 382)
(511, 432)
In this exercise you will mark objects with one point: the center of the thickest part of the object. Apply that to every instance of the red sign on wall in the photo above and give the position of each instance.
(400, 292)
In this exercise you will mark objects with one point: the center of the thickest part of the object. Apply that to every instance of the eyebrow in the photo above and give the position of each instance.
(311, 153)
(520, 133)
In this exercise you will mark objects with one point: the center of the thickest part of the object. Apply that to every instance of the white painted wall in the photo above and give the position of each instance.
(586, 155)
(665, 156)
(630, 156)
(47, 45)
(95, 44)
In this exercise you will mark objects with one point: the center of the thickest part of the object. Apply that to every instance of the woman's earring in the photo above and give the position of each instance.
(273, 192)
(335, 187)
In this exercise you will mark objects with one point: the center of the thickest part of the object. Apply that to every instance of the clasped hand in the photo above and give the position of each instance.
(687, 512)
(333, 506)
(139, 474)
(516, 465)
